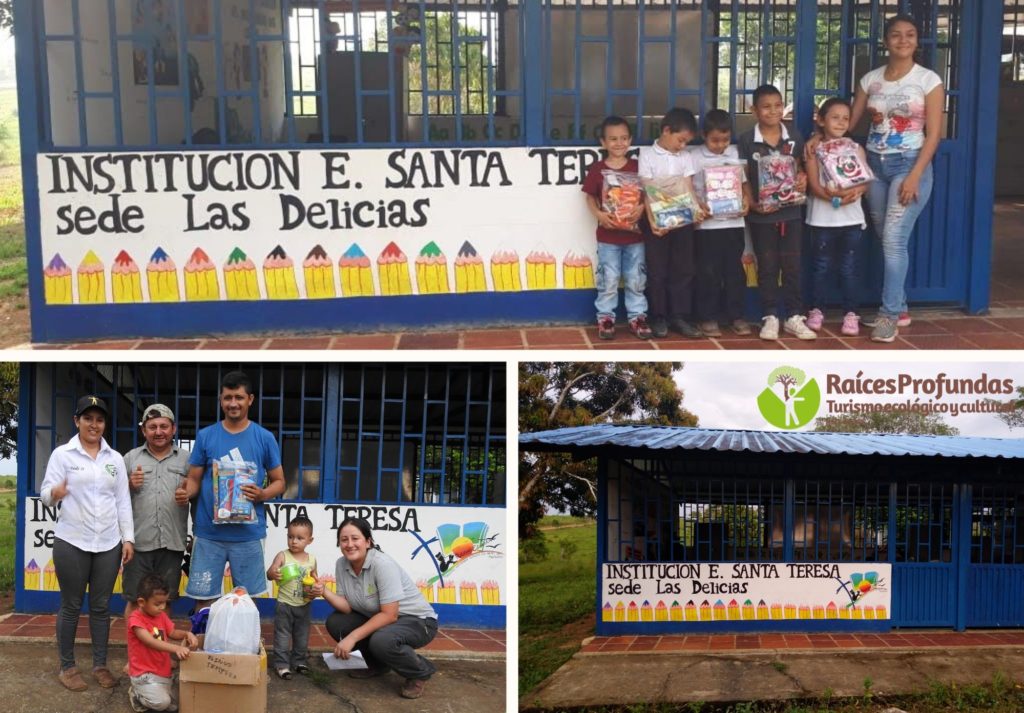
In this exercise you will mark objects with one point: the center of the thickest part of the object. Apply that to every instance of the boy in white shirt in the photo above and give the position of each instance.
(721, 281)
(669, 253)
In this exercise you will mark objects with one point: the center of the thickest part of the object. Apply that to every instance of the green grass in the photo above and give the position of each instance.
(7, 513)
(549, 521)
(13, 267)
(554, 593)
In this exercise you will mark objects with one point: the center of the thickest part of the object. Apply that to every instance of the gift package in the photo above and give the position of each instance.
(723, 190)
(841, 164)
(776, 180)
(671, 202)
(621, 193)
(231, 506)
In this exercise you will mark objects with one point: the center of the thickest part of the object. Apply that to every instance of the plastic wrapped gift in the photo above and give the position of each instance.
(671, 202)
(842, 165)
(621, 193)
(776, 174)
(231, 506)
(723, 190)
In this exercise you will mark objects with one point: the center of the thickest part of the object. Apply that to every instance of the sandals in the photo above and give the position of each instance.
(284, 673)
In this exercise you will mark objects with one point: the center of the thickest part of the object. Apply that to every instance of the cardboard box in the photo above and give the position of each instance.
(223, 683)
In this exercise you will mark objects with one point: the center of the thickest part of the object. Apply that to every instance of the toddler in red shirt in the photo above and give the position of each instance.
(151, 634)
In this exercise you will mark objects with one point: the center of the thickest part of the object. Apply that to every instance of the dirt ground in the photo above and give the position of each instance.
(28, 684)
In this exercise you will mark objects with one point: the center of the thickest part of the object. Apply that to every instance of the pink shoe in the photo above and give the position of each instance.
(815, 319)
(903, 320)
(851, 324)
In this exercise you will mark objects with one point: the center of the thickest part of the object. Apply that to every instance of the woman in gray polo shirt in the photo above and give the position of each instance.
(380, 611)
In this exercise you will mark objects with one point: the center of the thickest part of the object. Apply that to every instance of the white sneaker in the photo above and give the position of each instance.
(770, 329)
(797, 326)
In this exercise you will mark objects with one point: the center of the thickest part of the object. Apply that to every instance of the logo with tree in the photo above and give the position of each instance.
(791, 399)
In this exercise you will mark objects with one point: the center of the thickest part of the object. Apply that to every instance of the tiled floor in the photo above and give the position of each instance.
(470, 642)
(759, 642)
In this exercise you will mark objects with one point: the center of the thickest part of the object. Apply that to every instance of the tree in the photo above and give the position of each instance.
(6, 15)
(557, 395)
(788, 377)
(886, 422)
(8, 409)
(1013, 417)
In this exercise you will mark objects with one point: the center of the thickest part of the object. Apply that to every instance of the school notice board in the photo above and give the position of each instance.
(737, 591)
(455, 555)
(159, 228)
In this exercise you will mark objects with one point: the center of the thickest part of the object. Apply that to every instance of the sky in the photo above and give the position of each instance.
(723, 395)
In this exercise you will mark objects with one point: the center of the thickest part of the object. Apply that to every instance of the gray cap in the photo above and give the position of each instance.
(156, 411)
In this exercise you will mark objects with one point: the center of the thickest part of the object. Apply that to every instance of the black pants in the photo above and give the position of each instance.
(721, 282)
(777, 246)
(392, 646)
(670, 273)
(77, 569)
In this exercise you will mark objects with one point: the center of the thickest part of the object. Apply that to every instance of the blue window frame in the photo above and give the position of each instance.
(173, 73)
(412, 434)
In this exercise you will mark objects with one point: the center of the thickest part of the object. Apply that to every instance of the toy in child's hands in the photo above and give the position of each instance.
(777, 182)
(671, 202)
(621, 195)
(723, 190)
(842, 164)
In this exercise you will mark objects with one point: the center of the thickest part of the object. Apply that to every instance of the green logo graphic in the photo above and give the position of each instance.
(791, 399)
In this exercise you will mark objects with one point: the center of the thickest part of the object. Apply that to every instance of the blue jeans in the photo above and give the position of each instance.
(894, 222)
(627, 262)
(827, 242)
(206, 568)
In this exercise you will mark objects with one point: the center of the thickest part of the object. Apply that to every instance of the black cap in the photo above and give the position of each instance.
(87, 402)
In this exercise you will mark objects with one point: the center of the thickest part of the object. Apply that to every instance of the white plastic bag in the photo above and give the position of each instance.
(234, 625)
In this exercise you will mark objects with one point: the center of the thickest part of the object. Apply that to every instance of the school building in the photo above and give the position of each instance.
(418, 450)
(311, 165)
(709, 530)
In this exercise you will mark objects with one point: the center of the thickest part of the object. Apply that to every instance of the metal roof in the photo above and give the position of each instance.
(664, 438)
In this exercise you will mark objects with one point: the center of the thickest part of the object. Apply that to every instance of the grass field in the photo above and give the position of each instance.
(13, 269)
(7, 511)
(556, 600)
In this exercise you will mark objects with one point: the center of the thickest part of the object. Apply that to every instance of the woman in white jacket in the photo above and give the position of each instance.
(93, 537)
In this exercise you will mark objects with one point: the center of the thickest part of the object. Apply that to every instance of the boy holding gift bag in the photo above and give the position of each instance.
(615, 199)
(773, 151)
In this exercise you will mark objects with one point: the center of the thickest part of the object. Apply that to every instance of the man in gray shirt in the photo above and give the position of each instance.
(155, 471)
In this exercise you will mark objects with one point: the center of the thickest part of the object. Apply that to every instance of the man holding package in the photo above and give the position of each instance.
(156, 470)
(235, 466)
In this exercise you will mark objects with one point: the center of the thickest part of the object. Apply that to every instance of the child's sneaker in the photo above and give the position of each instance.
(851, 324)
(284, 673)
(885, 330)
(302, 670)
(134, 702)
(740, 327)
(638, 326)
(606, 328)
(815, 319)
(770, 328)
(797, 326)
(903, 320)
(709, 329)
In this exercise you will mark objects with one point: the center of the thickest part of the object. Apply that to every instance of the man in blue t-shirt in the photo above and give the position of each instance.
(236, 438)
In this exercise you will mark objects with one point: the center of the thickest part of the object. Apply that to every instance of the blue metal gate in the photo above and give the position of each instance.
(995, 573)
(924, 571)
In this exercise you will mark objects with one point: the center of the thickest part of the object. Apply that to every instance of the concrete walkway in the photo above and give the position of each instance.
(731, 668)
